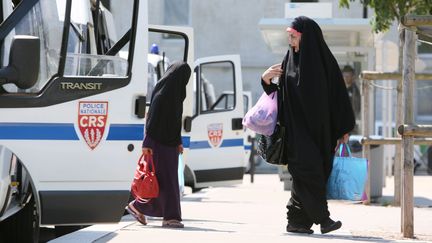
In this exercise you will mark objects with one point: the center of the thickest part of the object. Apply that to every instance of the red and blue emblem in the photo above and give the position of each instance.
(92, 119)
(215, 134)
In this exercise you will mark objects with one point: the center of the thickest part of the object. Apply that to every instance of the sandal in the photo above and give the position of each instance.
(137, 215)
(173, 223)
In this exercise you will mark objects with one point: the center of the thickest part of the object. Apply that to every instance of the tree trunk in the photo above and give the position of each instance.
(398, 155)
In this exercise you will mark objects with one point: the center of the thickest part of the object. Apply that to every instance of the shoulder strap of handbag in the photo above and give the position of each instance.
(149, 159)
(281, 96)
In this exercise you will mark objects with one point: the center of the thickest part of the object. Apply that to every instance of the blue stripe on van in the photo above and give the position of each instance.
(248, 147)
(119, 132)
(38, 131)
(225, 143)
(66, 131)
(232, 142)
(199, 145)
(134, 132)
(186, 142)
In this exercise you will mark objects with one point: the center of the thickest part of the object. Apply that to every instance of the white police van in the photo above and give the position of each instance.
(72, 113)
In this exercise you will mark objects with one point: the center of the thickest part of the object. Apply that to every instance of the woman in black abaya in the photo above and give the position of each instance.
(163, 141)
(317, 114)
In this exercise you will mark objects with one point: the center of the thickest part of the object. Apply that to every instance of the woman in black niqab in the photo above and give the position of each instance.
(317, 114)
(166, 106)
(163, 141)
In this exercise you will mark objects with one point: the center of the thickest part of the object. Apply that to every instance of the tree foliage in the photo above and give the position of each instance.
(387, 11)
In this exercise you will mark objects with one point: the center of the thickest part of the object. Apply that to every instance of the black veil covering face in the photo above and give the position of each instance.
(316, 112)
(164, 118)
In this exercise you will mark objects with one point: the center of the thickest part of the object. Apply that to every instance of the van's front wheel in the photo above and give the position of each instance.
(22, 226)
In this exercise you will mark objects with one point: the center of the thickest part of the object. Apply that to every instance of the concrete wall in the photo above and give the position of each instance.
(231, 27)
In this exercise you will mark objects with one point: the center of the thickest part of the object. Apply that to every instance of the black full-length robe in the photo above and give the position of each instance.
(316, 112)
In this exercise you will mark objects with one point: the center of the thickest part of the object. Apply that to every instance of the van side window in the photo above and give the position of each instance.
(162, 53)
(217, 87)
(45, 21)
(88, 44)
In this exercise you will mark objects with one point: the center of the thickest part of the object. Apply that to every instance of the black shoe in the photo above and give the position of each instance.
(298, 229)
(330, 225)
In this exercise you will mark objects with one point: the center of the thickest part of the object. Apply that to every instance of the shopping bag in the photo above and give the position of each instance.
(180, 172)
(348, 177)
(145, 184)
(271, 148)
(262, 117)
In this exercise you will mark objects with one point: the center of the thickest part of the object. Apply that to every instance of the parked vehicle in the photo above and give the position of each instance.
(73, 99)
(71, 114)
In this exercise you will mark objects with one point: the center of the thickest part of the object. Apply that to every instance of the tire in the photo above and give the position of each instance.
(64, 230)
(195, 189)
(188, 177)
(22, 226)
(429, 153)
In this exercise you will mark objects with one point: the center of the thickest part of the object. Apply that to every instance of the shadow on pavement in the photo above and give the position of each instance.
(344, 237)
(420, 202)
(192, 199)
(106, 238)
(211, 221)
(158, 219)
(189, 228)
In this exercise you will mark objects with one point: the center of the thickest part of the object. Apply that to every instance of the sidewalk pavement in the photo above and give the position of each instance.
(256, 213)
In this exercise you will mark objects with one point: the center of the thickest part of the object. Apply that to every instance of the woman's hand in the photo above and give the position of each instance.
(180, 148)
(342, 140)
(271, 72)
(147, 151)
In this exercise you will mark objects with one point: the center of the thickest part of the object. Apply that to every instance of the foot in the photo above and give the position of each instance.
(298, 229)
(173, 223)
(329, 225)
(136, 214)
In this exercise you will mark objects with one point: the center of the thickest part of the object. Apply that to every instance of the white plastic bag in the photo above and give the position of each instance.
(262, 117)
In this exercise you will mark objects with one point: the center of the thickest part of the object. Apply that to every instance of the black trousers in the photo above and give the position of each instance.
(308, 203)
(303, 207)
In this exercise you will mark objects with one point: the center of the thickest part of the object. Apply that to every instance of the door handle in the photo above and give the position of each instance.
(140, 106)
(236, 124)
(187, 124)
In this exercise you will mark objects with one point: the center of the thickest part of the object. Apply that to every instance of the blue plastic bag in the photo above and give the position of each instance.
(180, 172)
(348, 177)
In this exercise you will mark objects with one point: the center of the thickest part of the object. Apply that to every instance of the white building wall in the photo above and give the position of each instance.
(231, 27)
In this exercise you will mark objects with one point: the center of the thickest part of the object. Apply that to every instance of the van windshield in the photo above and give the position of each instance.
(45, 21)
(93, 31)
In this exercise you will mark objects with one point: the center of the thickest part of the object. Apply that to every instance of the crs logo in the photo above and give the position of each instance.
(215, 133)
(92, 119)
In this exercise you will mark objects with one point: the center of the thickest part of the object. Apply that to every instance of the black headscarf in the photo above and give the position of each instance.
(321, 83)
(315, 97)
(164, 118)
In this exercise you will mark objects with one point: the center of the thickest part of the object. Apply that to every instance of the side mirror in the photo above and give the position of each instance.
(187, 124)
(24, 62)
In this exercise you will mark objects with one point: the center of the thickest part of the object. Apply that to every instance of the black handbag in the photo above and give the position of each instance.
(271, 148)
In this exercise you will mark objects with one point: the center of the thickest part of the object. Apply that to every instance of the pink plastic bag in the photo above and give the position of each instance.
(262, 117)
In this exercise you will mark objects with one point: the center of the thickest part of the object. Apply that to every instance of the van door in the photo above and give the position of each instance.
(216, 138)
(249, 135)
(71, 117)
